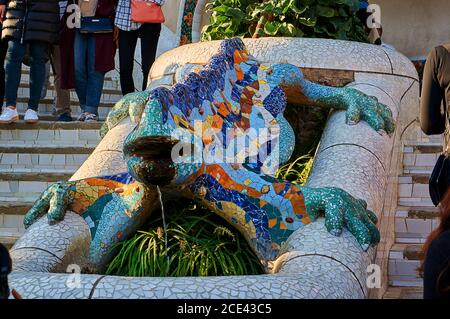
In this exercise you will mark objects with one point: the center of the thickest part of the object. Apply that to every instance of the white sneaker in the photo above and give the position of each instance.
(31, 116)
(9, 116)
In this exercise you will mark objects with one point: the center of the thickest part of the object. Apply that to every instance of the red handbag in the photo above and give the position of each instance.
(145, 11)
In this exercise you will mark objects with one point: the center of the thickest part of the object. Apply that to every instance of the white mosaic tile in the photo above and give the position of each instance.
(67, 241)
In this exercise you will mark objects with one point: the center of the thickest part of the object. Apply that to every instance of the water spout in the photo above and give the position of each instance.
(164, 222)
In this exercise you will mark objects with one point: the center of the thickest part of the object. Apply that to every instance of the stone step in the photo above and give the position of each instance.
(34, 149)
(423, 148)
(404, 260)
(26, 184)
(414, 186)
(414, 224)
(47, 133)
(415, 201)
(41, 175)
(11, 228)
(46, 107)
(49, 117)
(420, 157)
(15, 208)
(418, 170)
(414, 190)
(403, 293)
(43, 158)
(51, 125)
(11, 220)
(432, 140)
(18, 198)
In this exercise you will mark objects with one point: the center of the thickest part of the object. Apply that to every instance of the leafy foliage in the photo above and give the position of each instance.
(199, 244)
(298, 170)
(333, 19)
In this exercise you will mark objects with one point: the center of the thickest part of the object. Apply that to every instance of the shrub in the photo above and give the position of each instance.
(199, 244)
(333, 19)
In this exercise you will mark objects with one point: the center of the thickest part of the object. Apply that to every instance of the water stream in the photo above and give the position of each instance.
(164, 221)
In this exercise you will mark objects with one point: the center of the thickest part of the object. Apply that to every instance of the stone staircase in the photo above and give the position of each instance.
(33, 156)
(415, 217)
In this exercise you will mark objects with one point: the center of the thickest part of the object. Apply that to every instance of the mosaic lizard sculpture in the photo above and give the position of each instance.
(233, 91)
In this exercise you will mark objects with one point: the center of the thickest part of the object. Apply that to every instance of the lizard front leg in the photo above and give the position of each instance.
(358, 106)
(112, 206)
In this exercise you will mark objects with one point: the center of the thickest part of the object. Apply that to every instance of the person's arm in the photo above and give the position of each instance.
(2, 10)
(432, 121)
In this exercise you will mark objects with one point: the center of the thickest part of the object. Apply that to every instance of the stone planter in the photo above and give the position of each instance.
(314, 264)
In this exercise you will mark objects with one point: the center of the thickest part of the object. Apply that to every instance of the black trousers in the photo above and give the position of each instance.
(149, 34)
(3, 49)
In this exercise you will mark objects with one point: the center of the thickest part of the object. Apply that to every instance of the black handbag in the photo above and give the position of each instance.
(440, 176)
(96, 25)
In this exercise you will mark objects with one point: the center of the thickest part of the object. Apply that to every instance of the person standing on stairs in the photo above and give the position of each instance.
(436, 256)
(3, 49)
(62, 97)
(435, 94)
(30, 25)
(128, 33)
(86, 55)
(435, 90)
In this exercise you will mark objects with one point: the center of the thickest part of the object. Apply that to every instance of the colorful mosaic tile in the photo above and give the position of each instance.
(210, 110)
(186, 23)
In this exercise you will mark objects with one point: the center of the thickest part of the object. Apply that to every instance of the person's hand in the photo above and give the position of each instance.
(116, 36)
(15, 294)
(2, 12)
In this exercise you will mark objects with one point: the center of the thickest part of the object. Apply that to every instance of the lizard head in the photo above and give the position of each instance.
(147, 148)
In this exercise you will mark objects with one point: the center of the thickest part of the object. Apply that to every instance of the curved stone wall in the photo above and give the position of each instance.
(314, 264)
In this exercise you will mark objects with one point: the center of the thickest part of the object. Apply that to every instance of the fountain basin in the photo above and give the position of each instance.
(313, 263)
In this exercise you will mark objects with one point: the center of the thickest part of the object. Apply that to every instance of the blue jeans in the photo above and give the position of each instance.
(13, 70)
(88, 81)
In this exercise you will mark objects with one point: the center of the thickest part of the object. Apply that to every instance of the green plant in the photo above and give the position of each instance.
(199, 244)
(334, 19)
(298, 170)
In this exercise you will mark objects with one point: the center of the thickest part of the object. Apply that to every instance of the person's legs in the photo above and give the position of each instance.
(38, 52)
(81, 83)
(62, 99)
(13, 71)
(95, 80)
(127, 46)
(149, 33)
(46, 80)
(3, 49)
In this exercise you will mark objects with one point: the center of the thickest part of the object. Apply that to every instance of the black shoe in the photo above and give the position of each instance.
(65, 117)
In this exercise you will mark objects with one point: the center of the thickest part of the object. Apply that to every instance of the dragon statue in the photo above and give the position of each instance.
(215, 105)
